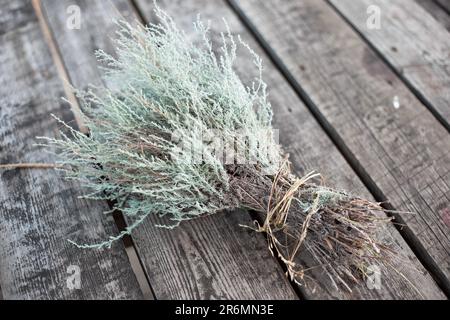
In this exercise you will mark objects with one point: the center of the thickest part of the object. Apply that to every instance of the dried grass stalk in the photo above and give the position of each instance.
(339, 231)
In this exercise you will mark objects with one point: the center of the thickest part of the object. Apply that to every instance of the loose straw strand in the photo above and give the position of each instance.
(30, 166)
(277, 216)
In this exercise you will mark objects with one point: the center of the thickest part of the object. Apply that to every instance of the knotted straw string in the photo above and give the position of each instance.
(276, 217)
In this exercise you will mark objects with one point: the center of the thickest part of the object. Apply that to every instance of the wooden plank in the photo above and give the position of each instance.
(436, 11)
(413, 43)
(162, 255)
(394, 142)
(208, 258)
(309, 146)
(39, 210)
(445, 4)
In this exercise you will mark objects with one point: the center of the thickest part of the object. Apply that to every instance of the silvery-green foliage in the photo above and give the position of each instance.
(164, 92)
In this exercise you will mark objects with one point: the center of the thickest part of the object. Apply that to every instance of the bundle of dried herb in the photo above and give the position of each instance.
(177, 133)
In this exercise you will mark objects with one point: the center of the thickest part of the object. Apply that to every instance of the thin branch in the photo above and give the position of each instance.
(30, 166)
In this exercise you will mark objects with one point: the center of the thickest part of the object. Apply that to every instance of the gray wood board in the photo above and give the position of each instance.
(436, 12)
(400, 147)
(207, 258)
(39, 210)
(308, 145)
(413, 42)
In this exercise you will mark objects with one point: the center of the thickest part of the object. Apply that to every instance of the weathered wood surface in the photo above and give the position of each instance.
(307, 143)
(414, 44)
(399, 148)
(212, 257)
(436, 11)
(445, 4)
(207, 258)
(39, 210)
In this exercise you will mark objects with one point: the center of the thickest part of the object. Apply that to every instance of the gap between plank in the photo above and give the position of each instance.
(397, 72)
(135, 261)
(297, 290)
(130, 249)
(440, 5)
(408, 235)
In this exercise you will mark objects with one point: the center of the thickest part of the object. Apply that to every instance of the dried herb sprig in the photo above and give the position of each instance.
(147, 151)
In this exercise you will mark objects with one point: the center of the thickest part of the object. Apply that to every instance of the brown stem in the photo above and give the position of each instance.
(30, 166)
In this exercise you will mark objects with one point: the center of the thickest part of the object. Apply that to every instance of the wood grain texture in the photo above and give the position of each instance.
(402, 149)
(308, 145)
(39, 210)
(445, 4)
(207, 258)
(414, 44)
(436, 11)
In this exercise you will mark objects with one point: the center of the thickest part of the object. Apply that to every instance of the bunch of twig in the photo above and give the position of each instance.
(146, 151)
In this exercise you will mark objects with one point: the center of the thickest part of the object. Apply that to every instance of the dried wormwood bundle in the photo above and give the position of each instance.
(147, 151)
